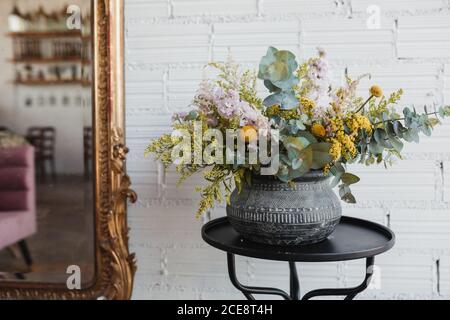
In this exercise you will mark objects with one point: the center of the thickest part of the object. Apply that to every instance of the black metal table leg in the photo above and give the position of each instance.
(349, 293)
(294, 283)
(247, 290)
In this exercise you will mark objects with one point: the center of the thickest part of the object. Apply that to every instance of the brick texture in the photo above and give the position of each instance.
(167, 44)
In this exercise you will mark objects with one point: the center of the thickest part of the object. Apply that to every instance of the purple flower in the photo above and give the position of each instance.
(227, 102)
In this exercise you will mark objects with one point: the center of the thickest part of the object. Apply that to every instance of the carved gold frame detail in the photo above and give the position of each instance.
(115, 266)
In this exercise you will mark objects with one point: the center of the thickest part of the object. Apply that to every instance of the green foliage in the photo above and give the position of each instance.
(350, 129)
(162, 149)
(390, 132)
(231, 77)
(387, 140)
(277, 69)
(349, 178)
(320, 155)
(346, 179)
(384, 106)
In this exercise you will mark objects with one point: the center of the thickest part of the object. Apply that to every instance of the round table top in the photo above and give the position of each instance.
(353, 239)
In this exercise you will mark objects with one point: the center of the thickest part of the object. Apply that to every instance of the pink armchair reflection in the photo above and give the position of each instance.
(17, 199)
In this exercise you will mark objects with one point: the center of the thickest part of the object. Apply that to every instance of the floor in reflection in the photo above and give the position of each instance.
(65, 234)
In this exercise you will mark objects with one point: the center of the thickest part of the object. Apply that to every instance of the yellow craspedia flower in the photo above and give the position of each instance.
(376, 91)
(318, 130)
(248, 133)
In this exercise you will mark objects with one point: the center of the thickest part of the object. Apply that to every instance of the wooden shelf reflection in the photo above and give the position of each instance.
(52, 82)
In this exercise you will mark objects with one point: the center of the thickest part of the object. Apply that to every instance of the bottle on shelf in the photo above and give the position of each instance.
(17, 21)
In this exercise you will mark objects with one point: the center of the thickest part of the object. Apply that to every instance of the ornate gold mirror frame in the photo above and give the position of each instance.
(115, 266)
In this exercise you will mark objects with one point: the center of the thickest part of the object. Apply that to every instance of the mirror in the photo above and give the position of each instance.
(63, 183)
(47, 220)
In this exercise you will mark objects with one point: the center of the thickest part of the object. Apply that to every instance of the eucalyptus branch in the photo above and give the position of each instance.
(401, 119)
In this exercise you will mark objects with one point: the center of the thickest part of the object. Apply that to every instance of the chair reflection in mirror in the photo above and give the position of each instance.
(43, 139)
(17, 202)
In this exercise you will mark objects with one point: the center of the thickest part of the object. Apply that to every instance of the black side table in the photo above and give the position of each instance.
(352, 239)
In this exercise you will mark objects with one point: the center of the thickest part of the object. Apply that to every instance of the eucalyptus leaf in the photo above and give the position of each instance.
(273, 99)
(288, 100)
(300, 125)
(308, 136)
(375, 148)
(304, 118)
(277, 66)
(336, 180)
(287, 84)
(283, 173)
(321, 155)
(426, 129)
(362, 147)
(343, 190)
(396, 144)
(399, 129)
(284, 158)
(349, 198)
(292, 155)
(408, 116)
(307, 156)
(272, 88)
(277, 69)
(337, 170)
(349, 178)
(305, 160)
(381, 138)
(338, 167)
(295, 126)
(362, 157)
(411, 135)
(266, 62)
(298, 143)
(297, 163)
(346, 194)
(389, 127)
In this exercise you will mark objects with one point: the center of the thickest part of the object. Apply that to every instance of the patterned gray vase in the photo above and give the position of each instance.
(272, 212)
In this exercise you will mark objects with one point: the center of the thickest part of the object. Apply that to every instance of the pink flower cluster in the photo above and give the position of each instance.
(212, 99)
(319, 76)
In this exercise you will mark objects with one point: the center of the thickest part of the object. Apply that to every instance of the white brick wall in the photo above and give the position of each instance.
(167, 43)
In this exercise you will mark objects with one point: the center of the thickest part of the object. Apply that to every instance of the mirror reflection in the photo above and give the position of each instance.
(46, 143)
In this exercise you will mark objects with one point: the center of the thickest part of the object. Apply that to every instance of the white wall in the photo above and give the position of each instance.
(68, 120)
(168, 41)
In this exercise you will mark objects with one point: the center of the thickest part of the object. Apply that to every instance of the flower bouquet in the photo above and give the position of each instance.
(305, 127)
